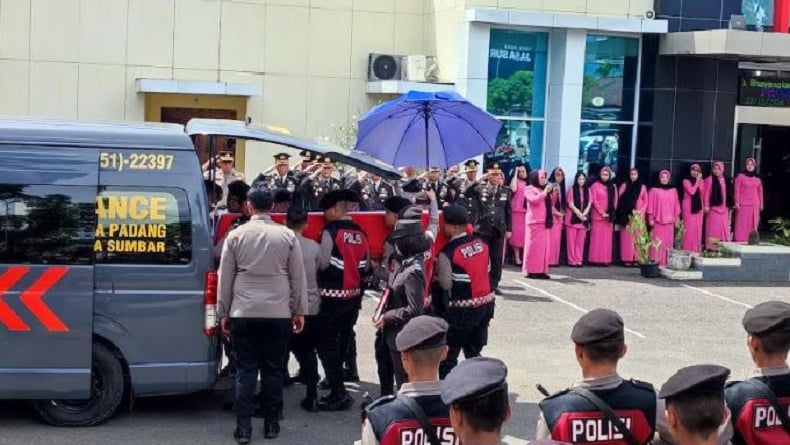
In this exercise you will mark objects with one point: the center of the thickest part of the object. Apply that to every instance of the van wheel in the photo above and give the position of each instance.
(107, 389)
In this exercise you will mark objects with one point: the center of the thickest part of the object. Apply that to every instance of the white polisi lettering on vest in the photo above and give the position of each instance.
(417, 436)
(352, 238)
(471, 250)
(765, 416)
(596, 430)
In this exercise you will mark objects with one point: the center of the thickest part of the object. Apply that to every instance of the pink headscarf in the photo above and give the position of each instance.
(720, 165)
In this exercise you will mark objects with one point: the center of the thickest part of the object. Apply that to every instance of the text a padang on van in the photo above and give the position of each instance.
(107, 281)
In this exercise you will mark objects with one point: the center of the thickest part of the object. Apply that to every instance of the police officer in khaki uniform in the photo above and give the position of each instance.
(754, 418)
(390, 419)
(224, 174)
(494, 220)
(476, 391)
(695, 404)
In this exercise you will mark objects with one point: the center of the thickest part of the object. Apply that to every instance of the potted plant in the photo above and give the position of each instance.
(643, 242)
(677, 258)
(754, 238)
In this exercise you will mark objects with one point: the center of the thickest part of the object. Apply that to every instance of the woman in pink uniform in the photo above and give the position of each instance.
(693, 190)
(576, 219)
(603, 196)
(714, 204)
(748, 201)
(539, 223)
(559, 207)
(663, 210)
(632, 200)
(519, 211)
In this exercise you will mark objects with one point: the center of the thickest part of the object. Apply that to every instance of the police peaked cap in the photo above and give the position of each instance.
(768, 317)
(456, 215)
(474, 378)
(332, 198)
(598, 326)
(422, 332)
(696, 380)
(282, 156)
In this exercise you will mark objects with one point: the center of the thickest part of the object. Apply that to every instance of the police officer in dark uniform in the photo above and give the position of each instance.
(468, 302)
(319, 183)
(375, 192)
(282, 178)
(695, 404)
(476, 391)
(755, 419)
(571, 416)
(433, 181)
(343, 265)
(390, 419)
(460, 186)
(494, 223)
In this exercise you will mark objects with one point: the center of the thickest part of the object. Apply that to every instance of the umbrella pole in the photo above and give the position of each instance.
(427, 148)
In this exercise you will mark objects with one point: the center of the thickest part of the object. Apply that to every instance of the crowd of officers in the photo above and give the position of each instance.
(281, 291)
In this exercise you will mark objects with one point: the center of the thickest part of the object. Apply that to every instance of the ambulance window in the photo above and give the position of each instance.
(142, 225)
(45, 224)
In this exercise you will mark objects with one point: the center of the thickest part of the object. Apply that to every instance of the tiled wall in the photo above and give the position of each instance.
(609, 8)
(695, 15)
(687, 110)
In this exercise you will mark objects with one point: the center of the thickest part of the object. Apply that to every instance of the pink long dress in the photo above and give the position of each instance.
(575, 234)
(537, 241)
(602, 229)
(627, 253)
(717, 224)
(749, 197)
(518, 215)
(663, 210)
(692, 222)
(555, 231)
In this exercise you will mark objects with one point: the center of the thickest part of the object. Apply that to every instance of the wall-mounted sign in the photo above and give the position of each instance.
(758, 13)
(764, 92)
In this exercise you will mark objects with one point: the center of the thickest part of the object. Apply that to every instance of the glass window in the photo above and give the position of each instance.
(143, 225)
(610, 66)
(517, 66)
(44, 224)
(604, 144)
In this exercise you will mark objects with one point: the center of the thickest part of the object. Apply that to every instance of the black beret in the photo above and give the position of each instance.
(335, 196)
(768, 317)
(456, 215)
(696, 380)
(422, 332)
(238, 189)
(473, 378)
(411, 212)
(597, 326)
(282, 196)
(412, 186)
(396, 203)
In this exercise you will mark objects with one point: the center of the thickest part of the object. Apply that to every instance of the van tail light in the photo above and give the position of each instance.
(210, 300)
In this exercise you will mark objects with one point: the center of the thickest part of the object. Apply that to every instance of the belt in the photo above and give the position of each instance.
(472, 302)
(341, 294)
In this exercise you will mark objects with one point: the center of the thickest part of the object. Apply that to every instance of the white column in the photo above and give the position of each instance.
(564, 109)
(472, 64)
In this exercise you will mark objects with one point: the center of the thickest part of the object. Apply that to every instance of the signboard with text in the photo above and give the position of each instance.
(764, 92)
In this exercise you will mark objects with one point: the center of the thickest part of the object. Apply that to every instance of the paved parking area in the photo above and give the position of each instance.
(670, 325)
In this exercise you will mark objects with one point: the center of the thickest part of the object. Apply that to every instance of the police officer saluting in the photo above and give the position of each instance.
(319, 183)
(460, 186)
(695, 404)
(281, 179)
(578, 414)
(468, 303)
(343, 262)
(375, 192)
(759, 404)
(494, 222)
(393, 419)
(476, 391)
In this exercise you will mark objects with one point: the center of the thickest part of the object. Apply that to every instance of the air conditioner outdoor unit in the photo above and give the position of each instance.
(384, 67)
(420, 69)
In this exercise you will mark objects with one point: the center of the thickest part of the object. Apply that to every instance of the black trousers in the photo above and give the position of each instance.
(260, 343)
(305, 348)
(384, 365)
(335, 316)
(495, 243)
(348, 344)
(468, 332)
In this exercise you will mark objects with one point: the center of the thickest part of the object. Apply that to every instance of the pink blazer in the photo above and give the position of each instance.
(641, 201)
(536, 205)
(598, 196)
(663, 206)
(748, 191)
(689, 189)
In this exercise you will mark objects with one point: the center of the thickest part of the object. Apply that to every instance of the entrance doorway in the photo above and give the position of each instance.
(770, 146)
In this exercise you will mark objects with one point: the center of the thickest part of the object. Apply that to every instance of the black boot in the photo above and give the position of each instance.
(310, 402)
(271, 429)
(336, 401)
(243, 433)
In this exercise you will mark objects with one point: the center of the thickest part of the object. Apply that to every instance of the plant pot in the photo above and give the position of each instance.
(679, 259)
(649, 270)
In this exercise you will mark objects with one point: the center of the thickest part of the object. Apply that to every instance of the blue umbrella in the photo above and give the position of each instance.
(422, 129)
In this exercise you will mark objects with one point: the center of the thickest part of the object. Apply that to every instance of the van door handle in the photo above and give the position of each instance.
(104, 286)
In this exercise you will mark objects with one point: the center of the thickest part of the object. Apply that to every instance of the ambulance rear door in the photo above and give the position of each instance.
(47, 222)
